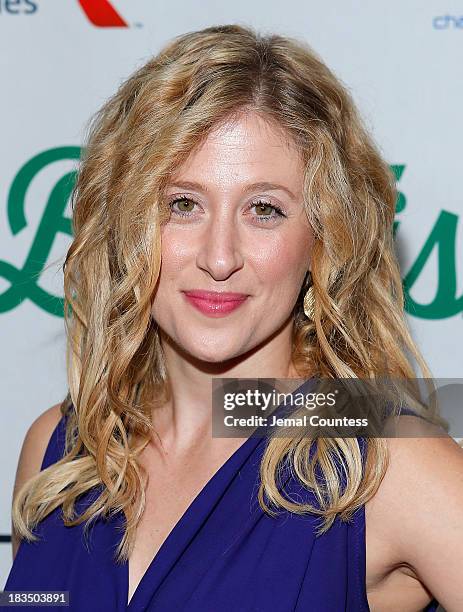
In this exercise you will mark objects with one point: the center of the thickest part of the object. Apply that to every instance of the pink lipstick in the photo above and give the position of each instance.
(215, 303)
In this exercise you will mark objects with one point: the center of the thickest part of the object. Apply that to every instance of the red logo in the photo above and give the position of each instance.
(102, 14)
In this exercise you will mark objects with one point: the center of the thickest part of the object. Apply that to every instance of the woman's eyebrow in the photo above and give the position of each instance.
(261, 185)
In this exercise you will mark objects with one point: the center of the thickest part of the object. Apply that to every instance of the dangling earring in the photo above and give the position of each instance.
(309, 301)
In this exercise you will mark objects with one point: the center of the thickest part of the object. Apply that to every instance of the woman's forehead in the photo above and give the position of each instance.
(248, 150)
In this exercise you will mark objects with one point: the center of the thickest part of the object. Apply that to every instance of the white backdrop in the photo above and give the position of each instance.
(401, 60)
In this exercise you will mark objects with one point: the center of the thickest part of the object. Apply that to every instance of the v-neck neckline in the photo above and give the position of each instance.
(235, 456)
(250, 443)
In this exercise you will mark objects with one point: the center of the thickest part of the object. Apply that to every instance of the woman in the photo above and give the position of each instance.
(232, 218)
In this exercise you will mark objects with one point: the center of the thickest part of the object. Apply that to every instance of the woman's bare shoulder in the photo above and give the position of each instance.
(33, 450)
(37, 438)
(415, 519)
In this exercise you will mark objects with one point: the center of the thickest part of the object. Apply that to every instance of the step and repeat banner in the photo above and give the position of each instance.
(59, 61)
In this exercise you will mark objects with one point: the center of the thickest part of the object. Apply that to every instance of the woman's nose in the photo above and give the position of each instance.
(220, 248)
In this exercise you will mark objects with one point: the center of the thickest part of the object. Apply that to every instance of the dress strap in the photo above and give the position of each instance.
(56, 445)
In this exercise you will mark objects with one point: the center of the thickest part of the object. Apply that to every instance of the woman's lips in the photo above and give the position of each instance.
(213, 303)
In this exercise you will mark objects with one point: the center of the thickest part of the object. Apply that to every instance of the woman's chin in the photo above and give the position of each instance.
(219, 355)
(214, 352)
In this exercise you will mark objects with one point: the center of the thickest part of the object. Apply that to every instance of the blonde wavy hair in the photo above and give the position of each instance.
(115, 365)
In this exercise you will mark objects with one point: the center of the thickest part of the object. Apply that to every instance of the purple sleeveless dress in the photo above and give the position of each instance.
(224, 554)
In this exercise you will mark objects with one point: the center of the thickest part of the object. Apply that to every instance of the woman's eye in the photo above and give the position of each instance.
(266, 212)
(184, 206)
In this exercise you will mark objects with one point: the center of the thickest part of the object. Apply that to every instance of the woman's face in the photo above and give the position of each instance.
(226, 234)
